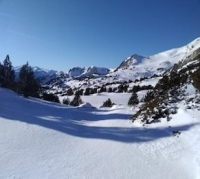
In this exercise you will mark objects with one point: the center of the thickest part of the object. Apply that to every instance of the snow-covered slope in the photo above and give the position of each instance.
(155, 64)
(40, 139)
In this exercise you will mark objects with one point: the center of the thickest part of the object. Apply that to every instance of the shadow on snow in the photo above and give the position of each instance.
(67, 120)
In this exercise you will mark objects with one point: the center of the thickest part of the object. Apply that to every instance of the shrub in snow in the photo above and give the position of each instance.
(125, 86)
(120, 89)
(137, 88)
(50, 97)
(159, 113)
(87, 91)
(109, 90)
(93, 90)
(176, 133)
(102, 89)
(149, 96)
(171, 82)
(79, 91)
(70, 92)
(133, 100)
(196, 79)
(150, 109)
(66, 101)
(108, 103)
(163, 84)
(77, 100)
(143, 78)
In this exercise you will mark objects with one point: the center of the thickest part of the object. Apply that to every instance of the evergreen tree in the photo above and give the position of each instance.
(133, 100)
(108, 103)
(136, 88)
(50, 97)
(27, 84)
(87, 91)
(163, 84)
(77, 100)
(102, 89)
(7, 74)
(149, 96)
(120, 88)
(66, 101)
(70, 92)
(196, 78)
(1, 73)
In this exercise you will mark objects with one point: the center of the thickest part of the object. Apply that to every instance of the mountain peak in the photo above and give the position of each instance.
(132, 60)
(88, 71)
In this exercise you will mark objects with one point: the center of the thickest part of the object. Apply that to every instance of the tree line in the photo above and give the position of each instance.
(25, 85)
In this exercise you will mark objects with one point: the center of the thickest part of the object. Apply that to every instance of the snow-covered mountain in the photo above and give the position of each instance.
(130, 62)
(133, 68)
(41, 74)
(137, 66)
(92, 71)
(45, 75)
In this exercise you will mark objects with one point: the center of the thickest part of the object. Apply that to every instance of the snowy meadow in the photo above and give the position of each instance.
(42, 139)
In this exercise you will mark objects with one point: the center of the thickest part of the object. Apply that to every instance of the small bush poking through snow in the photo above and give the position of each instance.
(77, 101)
(108, 103)
(50, 97)
(66, 101)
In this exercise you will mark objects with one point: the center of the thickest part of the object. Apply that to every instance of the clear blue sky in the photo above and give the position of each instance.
(67, 33)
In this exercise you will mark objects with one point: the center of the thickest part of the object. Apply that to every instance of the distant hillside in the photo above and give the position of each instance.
(135, 70)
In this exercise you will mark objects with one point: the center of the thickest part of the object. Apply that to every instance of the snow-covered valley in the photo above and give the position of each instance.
(41, 139)
(155, 136)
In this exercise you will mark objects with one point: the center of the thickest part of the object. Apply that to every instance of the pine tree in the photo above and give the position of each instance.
(163, 84)
(108, 103)
(7, 74)
(196, 78)
(1, 73)
(50, 97)
(133, 100)
(87, 91)
(27, 84)
(149, 96)
(77, 100)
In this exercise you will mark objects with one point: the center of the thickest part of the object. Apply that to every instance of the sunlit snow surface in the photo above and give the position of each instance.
(46, 140)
